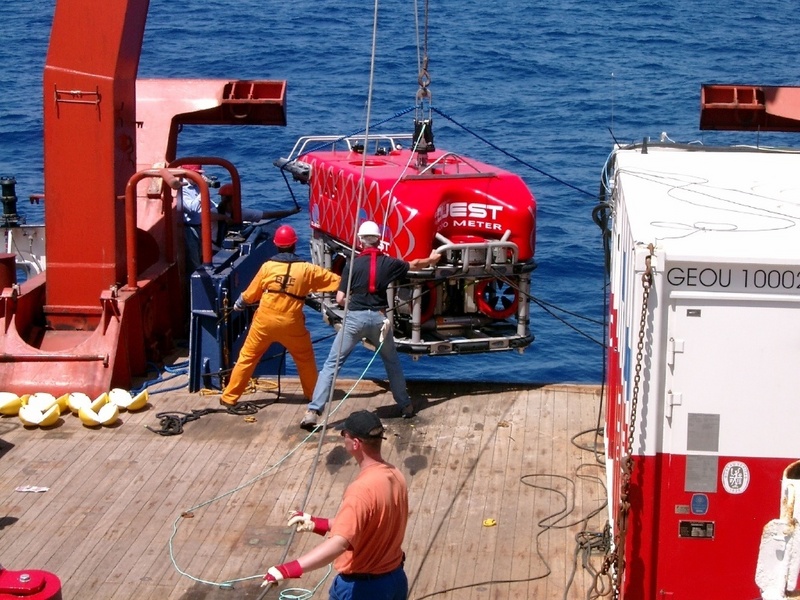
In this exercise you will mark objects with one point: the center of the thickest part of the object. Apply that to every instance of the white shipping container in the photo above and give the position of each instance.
(716, 409)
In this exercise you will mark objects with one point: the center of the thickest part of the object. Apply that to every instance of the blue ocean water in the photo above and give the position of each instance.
(549, 84)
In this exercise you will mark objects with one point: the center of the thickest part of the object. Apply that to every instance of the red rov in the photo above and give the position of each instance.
(482, 219)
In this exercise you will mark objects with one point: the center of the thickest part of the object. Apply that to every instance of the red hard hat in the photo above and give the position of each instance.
(285, 236)
(197, 168)
(226, 190)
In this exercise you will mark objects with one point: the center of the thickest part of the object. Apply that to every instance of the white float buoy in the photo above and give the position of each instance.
(77, 401)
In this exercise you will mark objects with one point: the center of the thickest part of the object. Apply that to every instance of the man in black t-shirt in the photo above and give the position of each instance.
(366, 318)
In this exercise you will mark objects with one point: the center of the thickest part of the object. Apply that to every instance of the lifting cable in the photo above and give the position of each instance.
(423, 95)
(354, 240)
(513, 157)
(322, 427)
(415, 107)
(189, 513)
(424, 78)
(544, 306)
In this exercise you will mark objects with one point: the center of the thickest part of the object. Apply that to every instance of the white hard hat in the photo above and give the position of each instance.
(369, 228)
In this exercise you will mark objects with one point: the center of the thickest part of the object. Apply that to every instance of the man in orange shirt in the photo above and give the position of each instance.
(366, 536)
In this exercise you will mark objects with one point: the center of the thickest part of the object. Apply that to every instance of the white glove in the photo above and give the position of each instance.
(280, 572)
(238, 306)
(305, 522)
(385, 328)
(273, 575)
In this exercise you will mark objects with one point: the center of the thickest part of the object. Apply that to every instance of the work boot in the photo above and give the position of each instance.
(226, 404)
(407, 411)
(309, 421)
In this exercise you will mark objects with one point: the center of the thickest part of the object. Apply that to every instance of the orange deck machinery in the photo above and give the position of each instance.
(112, 295)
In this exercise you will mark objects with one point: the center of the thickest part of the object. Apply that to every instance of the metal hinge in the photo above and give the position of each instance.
(674, 347)
(673, 399)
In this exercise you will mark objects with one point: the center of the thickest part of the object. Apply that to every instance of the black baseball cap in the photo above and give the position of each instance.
(364, 425)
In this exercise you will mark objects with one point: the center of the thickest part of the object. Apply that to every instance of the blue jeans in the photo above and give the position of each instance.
(193, 249)
(392, 586)
(361, 324)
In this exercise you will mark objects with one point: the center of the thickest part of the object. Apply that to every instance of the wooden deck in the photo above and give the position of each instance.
(474, 452)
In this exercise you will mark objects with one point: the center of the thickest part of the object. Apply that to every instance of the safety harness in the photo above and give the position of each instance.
(288, 258)
(373, 253)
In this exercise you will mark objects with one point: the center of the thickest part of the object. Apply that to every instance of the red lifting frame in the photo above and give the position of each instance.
(89, 147)
(750, 108)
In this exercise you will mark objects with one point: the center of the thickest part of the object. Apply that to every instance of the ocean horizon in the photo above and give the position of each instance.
(540, 89)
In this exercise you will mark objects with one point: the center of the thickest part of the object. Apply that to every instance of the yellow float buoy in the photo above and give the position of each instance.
(139, 401)
(10, 403)
(99, 412)
(88, 417)
(63, 402)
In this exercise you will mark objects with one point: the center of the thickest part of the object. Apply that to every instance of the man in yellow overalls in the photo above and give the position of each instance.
(280, 288)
